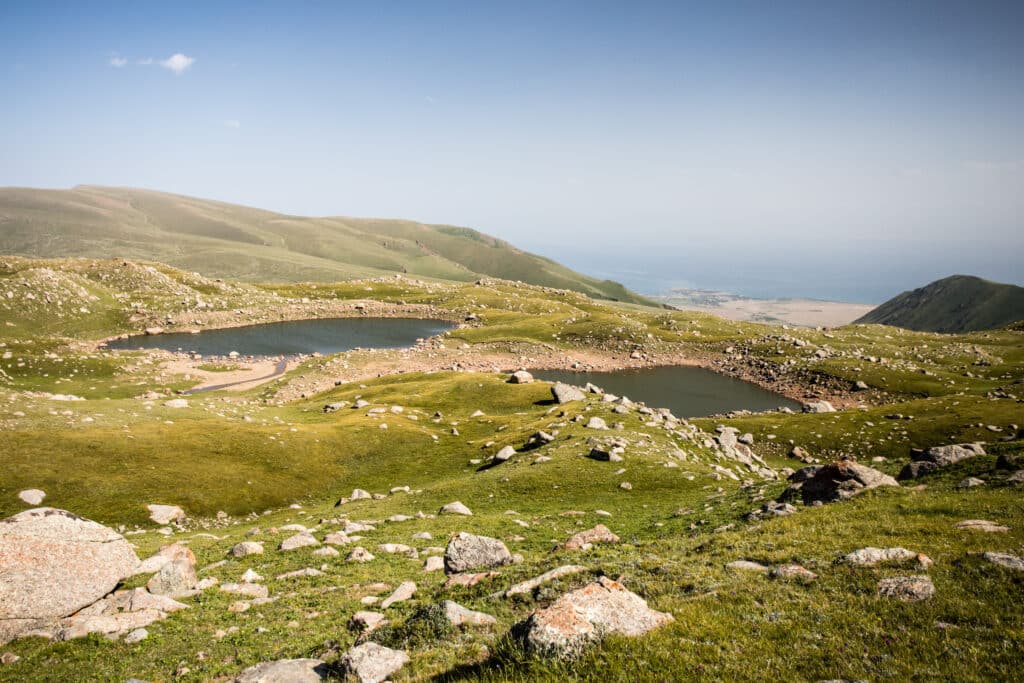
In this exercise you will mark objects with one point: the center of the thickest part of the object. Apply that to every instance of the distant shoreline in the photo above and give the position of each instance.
(780, 311)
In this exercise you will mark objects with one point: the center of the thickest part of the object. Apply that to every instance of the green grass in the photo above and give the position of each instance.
(108, 456)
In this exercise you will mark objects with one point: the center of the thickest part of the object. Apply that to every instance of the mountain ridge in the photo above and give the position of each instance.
(958, 303)
(221, 239)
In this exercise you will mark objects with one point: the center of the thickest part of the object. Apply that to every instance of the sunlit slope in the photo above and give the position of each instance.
(243, 243)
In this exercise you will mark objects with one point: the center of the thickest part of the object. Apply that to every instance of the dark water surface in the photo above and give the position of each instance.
(329, 335)
(686, 391)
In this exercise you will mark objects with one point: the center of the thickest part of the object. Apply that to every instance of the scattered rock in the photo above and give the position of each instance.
(793, 572)
(136, 636)
(359, 554)
(405, 590)
(468, 551)
(166, 514)
(285, 671)
(458, 615)
(373, 663)
(300, 573)
(584, 540)
(1005, 560)
(596, 423)
(772, 509)
(870, 557)
(176, 578)
(915, 470)
(54, 563)
(176, 403)
(837, 481)
(468, 579)
(252, 590)
(565, 393)
(367, 621)
(981, 525)
(502, 455)
(530, 584)
(747, 566)
(303, 539)
(948, 455)
(32, 496)
(520, 377)
(433, 563)
(584, 616)
(818, 407)
(456, 508)
(970, 482)
(907, 588)
(246, 548)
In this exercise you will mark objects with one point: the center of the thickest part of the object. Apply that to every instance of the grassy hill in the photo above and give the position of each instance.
(253, 245)
(959, 303)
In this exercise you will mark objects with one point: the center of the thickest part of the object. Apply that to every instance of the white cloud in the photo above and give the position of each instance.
(178, 63)
(233, 123)
(117, 61)
(145, 62)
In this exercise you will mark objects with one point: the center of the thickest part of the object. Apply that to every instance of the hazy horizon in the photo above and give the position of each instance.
(848, 151)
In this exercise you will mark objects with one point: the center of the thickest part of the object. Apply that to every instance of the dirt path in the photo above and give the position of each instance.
(240, 385)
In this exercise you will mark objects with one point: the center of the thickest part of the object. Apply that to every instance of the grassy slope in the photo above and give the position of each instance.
(728, 626)
(959, 303)
(242, 243)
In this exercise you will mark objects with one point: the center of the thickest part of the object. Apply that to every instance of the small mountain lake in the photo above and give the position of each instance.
(685, 390)
(324, 335)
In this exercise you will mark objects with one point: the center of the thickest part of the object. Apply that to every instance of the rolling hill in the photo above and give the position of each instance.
(959, 303)
(242, 243)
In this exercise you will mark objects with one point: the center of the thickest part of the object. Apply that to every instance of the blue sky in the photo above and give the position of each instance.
(835, 149)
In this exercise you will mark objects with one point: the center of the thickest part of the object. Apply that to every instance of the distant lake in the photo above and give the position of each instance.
(686, 391)
(328, 335)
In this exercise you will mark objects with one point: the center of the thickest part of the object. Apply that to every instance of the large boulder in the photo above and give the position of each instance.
(931, 459)
(837, 481)
(565, 393)
(468, 551)
(818, 407)
(54, 563)
(285, 671)
(584, 616)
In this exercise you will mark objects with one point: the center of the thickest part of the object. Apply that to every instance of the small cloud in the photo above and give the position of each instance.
(178, 63)
(233, 123)
(145, 62)
(430, 100)
(117, 61)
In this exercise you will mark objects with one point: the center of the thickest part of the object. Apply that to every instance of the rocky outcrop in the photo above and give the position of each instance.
(584, 616)
(837, 481)
(937, 457)
(54, 563)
